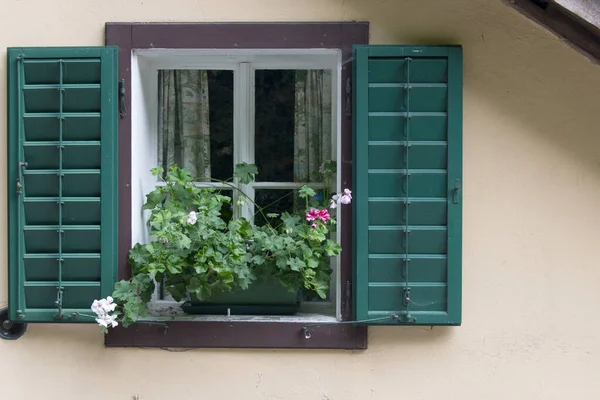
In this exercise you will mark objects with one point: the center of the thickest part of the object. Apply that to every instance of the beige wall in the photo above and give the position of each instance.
(531, 226)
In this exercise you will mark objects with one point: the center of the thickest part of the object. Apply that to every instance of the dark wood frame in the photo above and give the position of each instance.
(334, 35)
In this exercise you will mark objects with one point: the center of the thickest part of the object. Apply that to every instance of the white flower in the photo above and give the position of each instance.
(334, 201)
(97, 308)
(106, 320)
(346, 198)
(192, 218)
(102, 308)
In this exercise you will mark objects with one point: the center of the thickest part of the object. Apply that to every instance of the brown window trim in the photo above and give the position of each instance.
(336, 35)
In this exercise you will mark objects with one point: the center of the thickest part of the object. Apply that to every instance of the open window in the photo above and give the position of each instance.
(209, 110)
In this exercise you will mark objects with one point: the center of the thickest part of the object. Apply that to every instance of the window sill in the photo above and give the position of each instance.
(238, 334)
(168, 326)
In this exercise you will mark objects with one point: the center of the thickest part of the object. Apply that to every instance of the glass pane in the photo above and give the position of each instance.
(227, 208)
(293, 122)
(195, 122)
(279, 201)
(275, 201)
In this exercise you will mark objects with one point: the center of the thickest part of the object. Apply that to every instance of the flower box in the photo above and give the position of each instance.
(266, 296)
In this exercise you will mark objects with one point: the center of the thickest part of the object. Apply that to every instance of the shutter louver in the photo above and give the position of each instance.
(407, 177)
(62, 184)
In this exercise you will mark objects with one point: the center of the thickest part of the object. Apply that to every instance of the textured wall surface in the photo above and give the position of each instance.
(531, 226)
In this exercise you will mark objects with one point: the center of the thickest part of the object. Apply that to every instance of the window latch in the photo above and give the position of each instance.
(456, 192)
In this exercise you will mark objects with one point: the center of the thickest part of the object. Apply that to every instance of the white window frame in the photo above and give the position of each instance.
(145, 65)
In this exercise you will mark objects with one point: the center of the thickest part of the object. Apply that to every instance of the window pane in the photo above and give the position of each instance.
(227, 208)
(293, 123)
(195, 122)
(281, 200)
(275, 201)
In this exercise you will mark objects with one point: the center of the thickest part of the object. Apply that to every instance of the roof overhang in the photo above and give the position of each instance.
(576, 22)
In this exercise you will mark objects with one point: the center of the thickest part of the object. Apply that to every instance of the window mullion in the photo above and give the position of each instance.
(244, 134)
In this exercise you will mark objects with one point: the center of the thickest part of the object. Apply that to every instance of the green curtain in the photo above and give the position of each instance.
(184, 131)
(312, 132)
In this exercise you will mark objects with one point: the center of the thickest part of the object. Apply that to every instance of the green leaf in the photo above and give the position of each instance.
(329, 168)
(322, 290)
(332, 248)
(174, 268)
(281, 262)
(123, 291)
(245, 172)
(272, 215)
(157, 171)
(138, 255)
(312, 262)
(154, 198)
(180, 176)
(177, 290)
(296, 264)
(305, 192)
(290, 221)
(258, 259)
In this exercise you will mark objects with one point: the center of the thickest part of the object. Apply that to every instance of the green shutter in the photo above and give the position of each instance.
(62, 181)
(407, 184)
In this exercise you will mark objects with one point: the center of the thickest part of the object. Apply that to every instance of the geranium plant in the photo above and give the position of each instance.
(195, 251)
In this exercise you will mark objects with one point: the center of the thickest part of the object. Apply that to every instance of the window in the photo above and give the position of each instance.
(236, 36)
(402, 258)
(209, 110)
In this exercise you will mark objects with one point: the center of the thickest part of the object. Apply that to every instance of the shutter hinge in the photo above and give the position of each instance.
(406, 315)
(347, 297)
(348, 291)
(122, 108)
(348, 105)
(406, 296)
(59, 303)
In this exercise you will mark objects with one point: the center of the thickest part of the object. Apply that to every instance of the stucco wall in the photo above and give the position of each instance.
(531, 226)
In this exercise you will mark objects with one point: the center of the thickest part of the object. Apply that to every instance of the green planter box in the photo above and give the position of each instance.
(263, 297)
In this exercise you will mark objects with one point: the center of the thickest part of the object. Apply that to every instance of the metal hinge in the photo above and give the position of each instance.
(122, 107)
(348, 105)
(348, 292)
(406, 296)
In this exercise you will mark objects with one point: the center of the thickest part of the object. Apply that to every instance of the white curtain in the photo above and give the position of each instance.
(312, 132)
(184, 131)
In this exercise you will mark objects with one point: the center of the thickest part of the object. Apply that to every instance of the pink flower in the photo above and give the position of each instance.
(324, 215)
(313, 225)
(312, 215)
